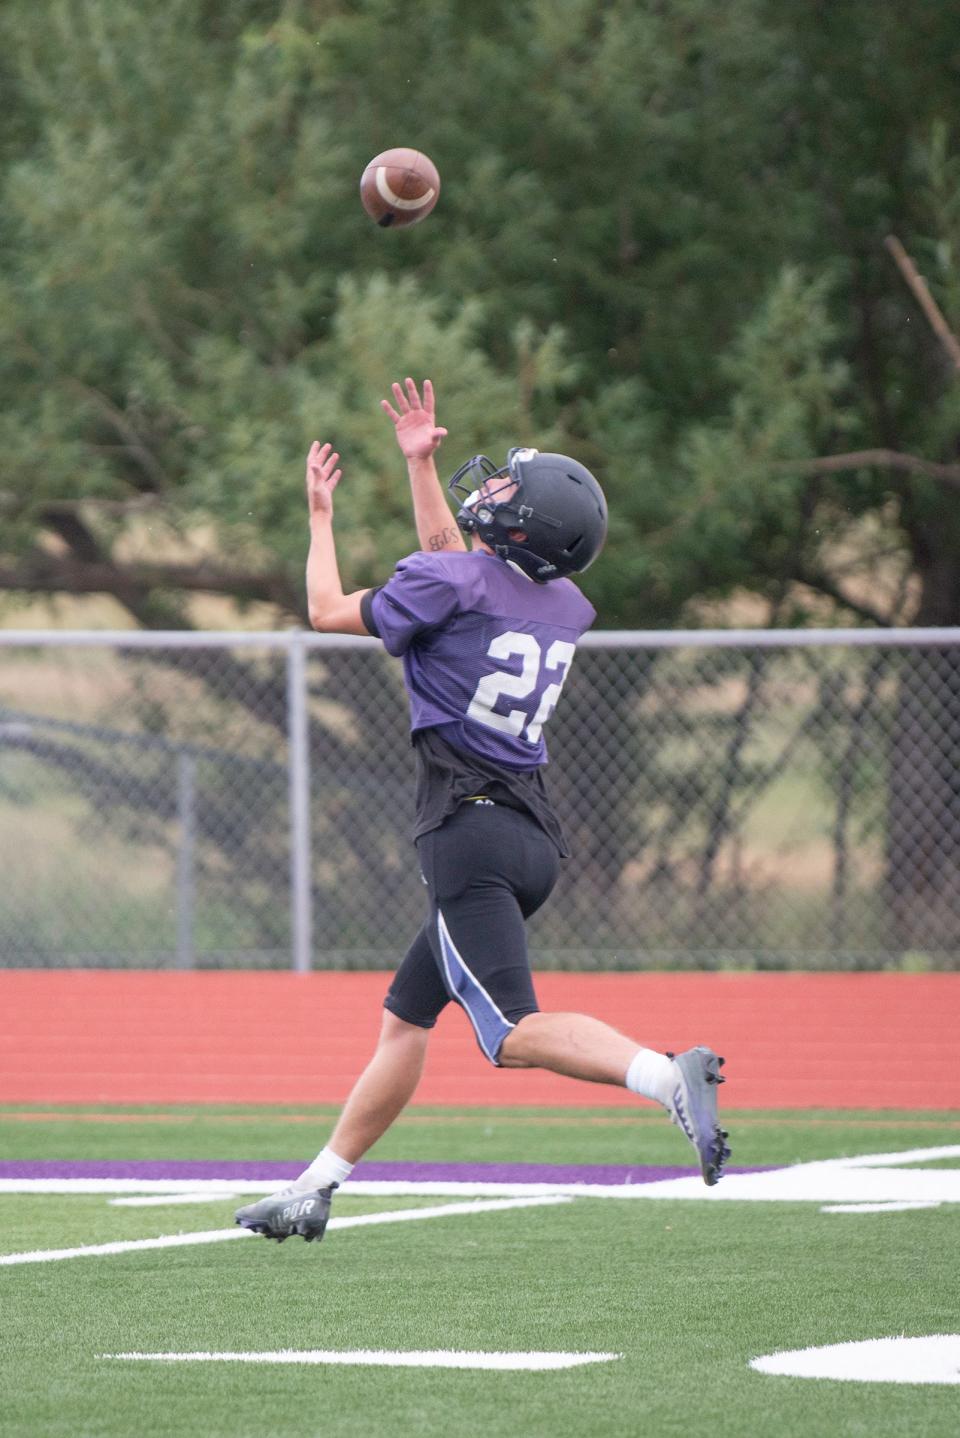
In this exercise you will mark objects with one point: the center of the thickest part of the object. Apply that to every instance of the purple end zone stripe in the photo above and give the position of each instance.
(229, 1171)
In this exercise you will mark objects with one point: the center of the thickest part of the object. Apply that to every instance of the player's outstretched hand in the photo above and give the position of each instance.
(323, 476)
(414, 419)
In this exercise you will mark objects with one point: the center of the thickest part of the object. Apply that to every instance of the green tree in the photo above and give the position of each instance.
(188, 267)
(660, 242)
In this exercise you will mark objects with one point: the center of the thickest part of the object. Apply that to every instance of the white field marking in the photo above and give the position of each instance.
(383, 187)
(865, 1178)
(875, 1360)
(80, 1186)
(382, 1358)
(362, 1188)
(909, 1155)
(876, 1207)
(100, 1250)
(164, 1200)
(220, 1235)
(862, 1178)
(358, 1188)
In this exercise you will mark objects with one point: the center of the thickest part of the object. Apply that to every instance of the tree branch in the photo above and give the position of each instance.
(77, 536)
(118, 421)
(948, 474)
(823, 584)
(11, 501)
(41, 572)
(924, 298)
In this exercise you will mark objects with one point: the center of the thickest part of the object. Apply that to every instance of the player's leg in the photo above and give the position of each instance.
(380, 1094)
(383, 1090)
(477, 865)
(586, 1048)
(488, 869)
(580, 1047)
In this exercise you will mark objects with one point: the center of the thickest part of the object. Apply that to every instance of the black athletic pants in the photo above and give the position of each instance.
(487, 869)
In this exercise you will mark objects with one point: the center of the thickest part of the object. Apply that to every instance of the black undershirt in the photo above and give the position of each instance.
(446, 776)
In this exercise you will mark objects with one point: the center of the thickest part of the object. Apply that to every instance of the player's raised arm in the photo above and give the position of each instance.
(418, 436)
(329, 608)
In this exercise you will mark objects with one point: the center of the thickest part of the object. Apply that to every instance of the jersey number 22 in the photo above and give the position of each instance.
(493, 687)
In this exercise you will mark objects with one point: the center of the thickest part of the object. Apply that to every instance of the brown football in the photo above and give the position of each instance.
(399, 187)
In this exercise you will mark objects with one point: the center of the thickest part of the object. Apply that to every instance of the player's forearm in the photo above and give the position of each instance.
(436, 527)
(324, 588)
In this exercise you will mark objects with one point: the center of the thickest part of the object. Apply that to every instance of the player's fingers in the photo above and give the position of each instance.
(439, 434)
(321, 467)
(388, 408)
(400, 398)
(428, 401)
(334, 479)
(412, 393)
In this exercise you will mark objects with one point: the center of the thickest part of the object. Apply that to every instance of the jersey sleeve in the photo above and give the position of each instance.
(419, 597)
(366, 610)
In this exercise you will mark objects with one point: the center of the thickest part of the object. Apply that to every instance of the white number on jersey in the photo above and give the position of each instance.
(521, 686)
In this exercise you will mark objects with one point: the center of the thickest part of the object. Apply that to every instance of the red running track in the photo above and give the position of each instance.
(791, 1040)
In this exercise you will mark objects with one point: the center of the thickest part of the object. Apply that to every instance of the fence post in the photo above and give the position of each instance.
(301, 916)
(186, 845)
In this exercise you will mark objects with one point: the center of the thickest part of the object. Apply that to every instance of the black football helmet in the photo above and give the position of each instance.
(549, 498)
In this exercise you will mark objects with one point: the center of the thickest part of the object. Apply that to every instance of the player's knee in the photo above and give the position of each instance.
(513, 1053)
(395, 1030)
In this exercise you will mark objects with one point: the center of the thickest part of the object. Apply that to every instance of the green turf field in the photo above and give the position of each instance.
(686, 1291)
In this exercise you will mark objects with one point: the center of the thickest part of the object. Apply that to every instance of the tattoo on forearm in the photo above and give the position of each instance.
(441, 540)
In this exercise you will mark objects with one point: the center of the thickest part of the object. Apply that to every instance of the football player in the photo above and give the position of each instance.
(486, 635)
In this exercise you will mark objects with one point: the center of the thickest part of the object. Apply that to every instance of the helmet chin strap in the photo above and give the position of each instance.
(506, 553)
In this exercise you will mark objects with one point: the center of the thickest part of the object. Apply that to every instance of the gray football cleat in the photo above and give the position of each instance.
(693, 1108)
(285, 1213)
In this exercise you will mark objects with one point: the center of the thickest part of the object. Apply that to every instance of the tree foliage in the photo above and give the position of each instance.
(659, 243)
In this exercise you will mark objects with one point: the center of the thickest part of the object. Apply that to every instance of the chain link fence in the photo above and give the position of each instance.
(762, 799)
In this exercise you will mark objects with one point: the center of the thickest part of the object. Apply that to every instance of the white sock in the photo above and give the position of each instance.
(328, 1167)
(652, 1075)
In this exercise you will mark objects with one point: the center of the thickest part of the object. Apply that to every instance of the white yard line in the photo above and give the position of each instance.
(878, 1207)
(221, 1235)
(909, 1155)
(864, 1178)
(101, 1250)
(355, 1188)
(381, 1358)
(880, 1182)
(164, 1200)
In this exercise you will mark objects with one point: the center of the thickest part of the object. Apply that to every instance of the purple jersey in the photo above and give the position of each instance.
(485, 650)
